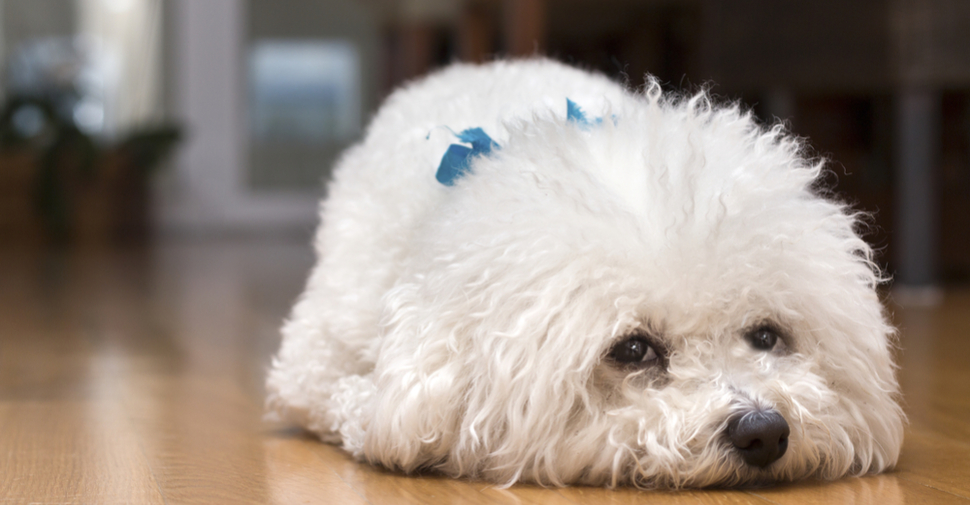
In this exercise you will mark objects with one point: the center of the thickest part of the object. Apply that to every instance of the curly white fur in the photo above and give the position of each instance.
(466, 328)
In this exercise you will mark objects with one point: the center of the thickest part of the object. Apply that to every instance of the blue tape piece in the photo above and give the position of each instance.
(480, 141)
(455, 162)
(574, 113)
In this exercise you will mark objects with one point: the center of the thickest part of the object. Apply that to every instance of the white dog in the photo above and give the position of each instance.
(599, 287)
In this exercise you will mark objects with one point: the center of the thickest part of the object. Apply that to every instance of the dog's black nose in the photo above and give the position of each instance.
(761, 437)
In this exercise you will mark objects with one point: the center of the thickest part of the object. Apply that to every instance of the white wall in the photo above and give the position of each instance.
(205, 191)
(127, 44)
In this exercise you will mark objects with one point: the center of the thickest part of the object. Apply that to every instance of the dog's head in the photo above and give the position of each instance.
(662, 300)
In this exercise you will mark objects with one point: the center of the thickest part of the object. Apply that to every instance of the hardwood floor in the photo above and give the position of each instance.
(136, 377)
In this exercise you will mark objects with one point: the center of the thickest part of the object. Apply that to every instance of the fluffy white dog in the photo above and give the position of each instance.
(599, 287)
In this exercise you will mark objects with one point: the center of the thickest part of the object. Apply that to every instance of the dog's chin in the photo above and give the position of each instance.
(752, 479)
(728, 473)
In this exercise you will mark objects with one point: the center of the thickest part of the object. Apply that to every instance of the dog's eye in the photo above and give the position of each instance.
(762, 339)
(633, 350)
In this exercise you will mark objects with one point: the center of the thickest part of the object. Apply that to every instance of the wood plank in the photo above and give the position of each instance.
(378, 486)
(889, 488)
(71, 452)
(296, 474)
(201, 437)
(937, 462)
(633, 496)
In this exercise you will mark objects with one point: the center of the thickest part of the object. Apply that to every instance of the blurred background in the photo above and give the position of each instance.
(130, 123)
(161, 163)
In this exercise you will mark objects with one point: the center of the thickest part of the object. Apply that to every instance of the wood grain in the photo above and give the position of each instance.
(135, 376)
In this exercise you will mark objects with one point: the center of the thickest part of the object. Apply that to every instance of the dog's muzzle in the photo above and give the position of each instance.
(759, 436)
